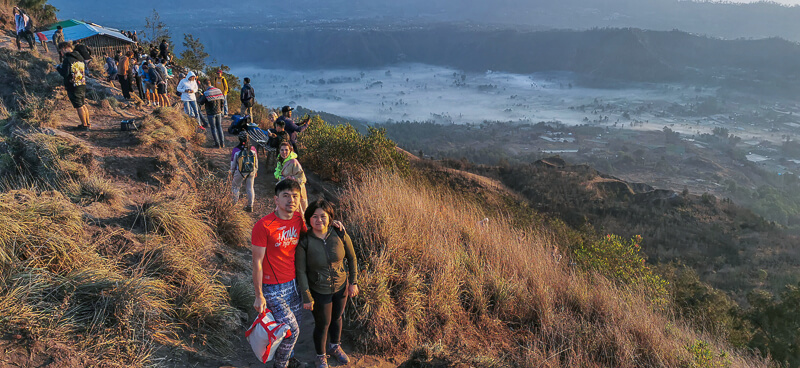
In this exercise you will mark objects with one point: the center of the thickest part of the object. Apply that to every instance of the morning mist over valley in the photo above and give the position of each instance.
(505, 183)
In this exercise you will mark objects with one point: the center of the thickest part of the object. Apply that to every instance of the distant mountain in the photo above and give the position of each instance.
(725, 20)
(603, 54)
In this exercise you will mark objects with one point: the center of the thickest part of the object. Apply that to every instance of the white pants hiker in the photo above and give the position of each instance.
(248, 179)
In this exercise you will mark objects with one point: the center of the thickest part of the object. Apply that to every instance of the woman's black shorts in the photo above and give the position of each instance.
(162, 89)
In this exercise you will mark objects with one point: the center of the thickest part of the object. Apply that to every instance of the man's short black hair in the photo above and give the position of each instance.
(287, 184)
(246, 80)
(280, 123)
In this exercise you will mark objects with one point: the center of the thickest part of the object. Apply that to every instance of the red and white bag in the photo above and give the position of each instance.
(265, 335)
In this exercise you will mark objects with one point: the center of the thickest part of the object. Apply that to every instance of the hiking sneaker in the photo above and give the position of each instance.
(248, 209)
(335, 350)
(295, 363)
(321, 361)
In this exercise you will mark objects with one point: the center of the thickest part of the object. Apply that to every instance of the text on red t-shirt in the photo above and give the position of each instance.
(280, 238)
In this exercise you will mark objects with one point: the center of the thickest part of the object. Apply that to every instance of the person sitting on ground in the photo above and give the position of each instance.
(277, 135)
(291, 127)
(74, 72)
(222, 84)
(247, 97)
(23, 25)
(43, 40)
(213, 99)
(322, 280)
(188, 87)
(153, 52)
(111, 67)
(288, 167)
(85, 52)
(237, 166)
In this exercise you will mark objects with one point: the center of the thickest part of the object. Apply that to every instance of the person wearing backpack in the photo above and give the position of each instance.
(327, 274)
(222, 84)
(213, 99)
(111, 68)
(74, 72)
(247, 97)
(288, 167)
(24, 27)
(244, 169)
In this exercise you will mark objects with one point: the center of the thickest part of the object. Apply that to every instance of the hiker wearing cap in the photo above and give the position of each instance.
(58, 37)
(323, 280)
(291, 127)
(244, 169)
(288, 167)
(24, 27)
(74, 72)
(222, 84)
(188, 87)
(247, 97)
(212, 99)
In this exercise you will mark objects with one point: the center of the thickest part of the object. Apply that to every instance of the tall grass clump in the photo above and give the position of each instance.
(493, 294)
(337, 152)
(176, 217)
(166, 127)
(52, 158)
(231, 224)
(36, 111)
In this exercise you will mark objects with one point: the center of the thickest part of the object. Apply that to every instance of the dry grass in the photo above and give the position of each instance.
(493, 293)
(167, 127)
(36, 111)
(95, 189)
(230, 222)
(175, 216)
(53, 159)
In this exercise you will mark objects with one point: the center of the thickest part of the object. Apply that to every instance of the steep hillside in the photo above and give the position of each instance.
(123, 248)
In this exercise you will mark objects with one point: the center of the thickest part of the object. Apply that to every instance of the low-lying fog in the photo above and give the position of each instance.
(416, 92)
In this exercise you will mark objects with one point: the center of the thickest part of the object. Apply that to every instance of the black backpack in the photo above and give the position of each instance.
(237, 126)
(246, 161)
(29, 27)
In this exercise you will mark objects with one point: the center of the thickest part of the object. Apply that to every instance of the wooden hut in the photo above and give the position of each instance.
(100, 39)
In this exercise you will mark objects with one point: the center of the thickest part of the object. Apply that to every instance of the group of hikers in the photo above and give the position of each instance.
(302, 257)
(25, 31)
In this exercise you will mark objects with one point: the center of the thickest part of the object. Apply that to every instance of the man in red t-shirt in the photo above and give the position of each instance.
(274, 240)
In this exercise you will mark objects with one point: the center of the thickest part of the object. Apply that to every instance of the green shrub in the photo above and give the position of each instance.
(340, 151)
(704, 356)
(621, 260)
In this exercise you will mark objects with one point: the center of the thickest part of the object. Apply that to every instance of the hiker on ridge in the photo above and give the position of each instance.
(291, 127)
(58, 38)
(125, 74)
(188, 87)
(244, 169)
(111, 68)
(247, 97)
(222, 84)
(23, 27)
(164, 49)
(74, 72)
(288, 167)
(161, 89)
(212, 98)
(323, 281)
